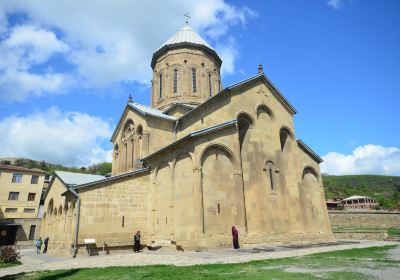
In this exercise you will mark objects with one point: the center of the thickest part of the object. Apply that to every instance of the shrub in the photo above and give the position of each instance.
(9, 255)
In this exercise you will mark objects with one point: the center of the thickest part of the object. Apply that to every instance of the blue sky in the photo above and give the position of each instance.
(67, 68)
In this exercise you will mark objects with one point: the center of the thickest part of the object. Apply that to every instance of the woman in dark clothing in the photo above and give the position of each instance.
(235, 237)
(136, 242)
(46, 243)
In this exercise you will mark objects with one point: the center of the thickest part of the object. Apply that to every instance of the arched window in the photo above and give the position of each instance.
(160, 81)
(175, 81)
(209, 84)
(194, 85)
(270, 170)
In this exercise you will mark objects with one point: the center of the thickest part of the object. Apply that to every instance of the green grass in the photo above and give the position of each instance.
(4, 265)
(345, 264)
(393, 231)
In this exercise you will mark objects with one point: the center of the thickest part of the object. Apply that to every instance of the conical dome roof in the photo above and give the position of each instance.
(186, 35)
(184, 38)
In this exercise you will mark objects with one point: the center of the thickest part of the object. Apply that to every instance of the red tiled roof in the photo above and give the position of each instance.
(8, 167)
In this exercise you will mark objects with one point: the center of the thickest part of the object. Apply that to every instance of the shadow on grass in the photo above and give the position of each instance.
(54, 275)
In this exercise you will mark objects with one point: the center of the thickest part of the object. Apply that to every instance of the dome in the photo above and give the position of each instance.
(186, 37)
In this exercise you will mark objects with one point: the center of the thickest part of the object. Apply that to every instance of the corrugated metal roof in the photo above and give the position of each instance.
(186, 35)
(71, 179)
(355, 197)
(145, 110)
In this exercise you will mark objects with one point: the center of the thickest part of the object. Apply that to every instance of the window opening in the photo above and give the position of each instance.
(194, 85)
(175, 80)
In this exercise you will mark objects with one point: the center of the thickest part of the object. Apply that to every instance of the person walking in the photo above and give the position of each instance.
(38, 245)
(235, 238)
(136, 242)
(46, 243)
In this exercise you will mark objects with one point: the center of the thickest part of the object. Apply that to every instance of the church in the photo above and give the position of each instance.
(199, 160)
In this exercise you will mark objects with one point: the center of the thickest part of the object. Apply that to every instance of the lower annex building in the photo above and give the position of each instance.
(198, 161)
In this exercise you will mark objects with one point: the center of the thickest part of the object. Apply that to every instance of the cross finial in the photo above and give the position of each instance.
(187, 17)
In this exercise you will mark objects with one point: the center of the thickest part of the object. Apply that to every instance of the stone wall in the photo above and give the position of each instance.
(359, 219)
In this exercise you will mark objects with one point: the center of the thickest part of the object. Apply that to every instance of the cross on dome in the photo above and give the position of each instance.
(187, 17)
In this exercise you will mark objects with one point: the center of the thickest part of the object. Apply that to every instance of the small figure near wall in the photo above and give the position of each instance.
(136, 242)
(46, 243)
(38, 245)
(235, 238)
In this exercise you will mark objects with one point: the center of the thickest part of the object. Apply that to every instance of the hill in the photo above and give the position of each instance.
(386, 189)
(100, 168)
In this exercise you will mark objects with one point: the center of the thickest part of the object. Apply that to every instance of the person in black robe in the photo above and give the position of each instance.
(136, 242)
(235, 237)
(46, 243)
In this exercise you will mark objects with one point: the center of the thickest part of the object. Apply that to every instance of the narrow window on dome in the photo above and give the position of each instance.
(209, 84)
(194, 85)
(160, 93)
(175, 80)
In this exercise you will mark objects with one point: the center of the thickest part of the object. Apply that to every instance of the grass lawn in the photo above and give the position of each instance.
(352, 264)
(4, 265)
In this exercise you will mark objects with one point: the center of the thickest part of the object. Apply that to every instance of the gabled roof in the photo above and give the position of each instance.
(71, 179)
(144, 111)
(178, 104)
(309, 151)
(8, 167)
(112, 178)
(259, 77)
(192, 135)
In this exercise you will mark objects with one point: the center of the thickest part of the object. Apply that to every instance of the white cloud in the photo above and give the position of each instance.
(68, 138)
(335, 4)
(368, 159)
(27, 46)
(113, 42)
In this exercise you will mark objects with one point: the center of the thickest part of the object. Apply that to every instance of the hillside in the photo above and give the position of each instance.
(100, 168)
(386, 189)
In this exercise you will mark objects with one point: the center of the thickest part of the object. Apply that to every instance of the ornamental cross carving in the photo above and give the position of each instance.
(262, 91)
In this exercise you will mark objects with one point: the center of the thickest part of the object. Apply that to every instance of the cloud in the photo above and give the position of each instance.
(112, 42)
(69, 138)
(368, 159)
(24, 47)
(335, 4)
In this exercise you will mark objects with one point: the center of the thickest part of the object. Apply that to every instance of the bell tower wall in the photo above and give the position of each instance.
(184, 75)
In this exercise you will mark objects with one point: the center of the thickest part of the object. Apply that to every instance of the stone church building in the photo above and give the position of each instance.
(201, 159)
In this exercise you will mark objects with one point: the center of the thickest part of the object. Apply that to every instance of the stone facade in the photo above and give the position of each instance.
(196, 165)
(358, 219)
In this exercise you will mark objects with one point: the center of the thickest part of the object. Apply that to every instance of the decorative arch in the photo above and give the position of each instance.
(228, 152)
(50, 206)
(311, 170)
(284, 133)
(139, 130)
(179, 157)
(128, 130)
(244, 123)
(262, 108)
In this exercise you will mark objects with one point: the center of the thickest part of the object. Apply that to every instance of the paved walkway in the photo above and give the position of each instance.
(33, 262)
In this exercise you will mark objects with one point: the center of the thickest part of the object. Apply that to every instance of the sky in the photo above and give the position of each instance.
(68, 67)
